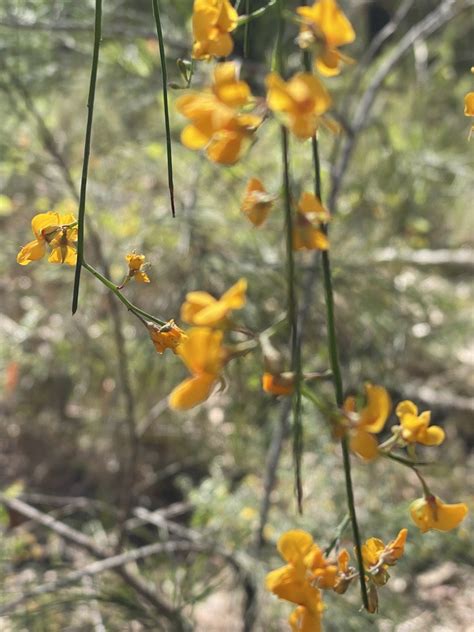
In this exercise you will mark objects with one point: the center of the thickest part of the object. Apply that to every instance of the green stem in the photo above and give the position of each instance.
(246, 30)
(341, 527)
(336, 369)
(87, 149)
(164, 76)
(245, 19)
(113, 288)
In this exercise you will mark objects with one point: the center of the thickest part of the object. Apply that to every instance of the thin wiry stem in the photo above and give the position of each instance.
(87, 150)
(335, 365)
(164, 76)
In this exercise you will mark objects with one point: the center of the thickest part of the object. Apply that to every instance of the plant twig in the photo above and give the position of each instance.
(87, 149)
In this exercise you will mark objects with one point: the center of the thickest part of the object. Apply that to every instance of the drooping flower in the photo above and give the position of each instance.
(204, 356)
(298, 580)
(416, 428)
(301, 102)
(56, 230)
(431, 512)
(369, 421)
(203, 310)
(305, 620)
(469, 109)
(311, 215)
(377, 556)
(217, 123)
(136, 269)
(345, 572)
(325, 27)
(213, 20)
(167, 336)
(257, 203)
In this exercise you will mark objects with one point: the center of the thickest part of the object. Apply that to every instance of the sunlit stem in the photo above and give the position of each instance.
(164, 77)
(113, 288)
(245, 19)
(87, 150)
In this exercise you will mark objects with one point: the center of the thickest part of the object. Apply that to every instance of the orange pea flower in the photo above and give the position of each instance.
(278, 384)
(202, 309)
(168, 336)
(299, 580)
(377, 556)
(369, 421)
(213, 20)
(257, 203)
(306, 227)
(324, 29)
(301, 102)
(431, 512)
(416, 428)
(56, 230)
(217, 124)
(204, 356)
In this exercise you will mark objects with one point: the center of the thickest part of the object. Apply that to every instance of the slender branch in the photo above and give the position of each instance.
(245, 19)
(341, 527)
(87, 149)
(164, 77)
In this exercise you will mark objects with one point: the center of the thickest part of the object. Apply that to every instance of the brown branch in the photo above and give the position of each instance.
(149, 594)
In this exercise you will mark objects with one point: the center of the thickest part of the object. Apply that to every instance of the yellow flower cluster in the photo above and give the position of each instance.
(213, 20)
(219, 124)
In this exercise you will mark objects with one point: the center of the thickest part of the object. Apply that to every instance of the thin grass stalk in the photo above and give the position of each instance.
(87, 150)
(278, 66)
(164, 77)
(246, 30)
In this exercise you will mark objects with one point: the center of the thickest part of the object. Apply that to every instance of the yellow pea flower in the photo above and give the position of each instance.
(416, 428)
(168, 336)
(136, 269)
(345, 572)
(216, 125)
(469, 108)
(306, 227)
(202, 309)
(305, 620)
(297, 580)
(213, 20)
(431, 512)
(204, 356)
(257, 203)
(301, 101)
(56, 230)
(377, 556)
(369, 421)
(325, 27)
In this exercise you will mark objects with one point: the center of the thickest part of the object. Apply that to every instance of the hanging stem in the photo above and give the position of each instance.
(164, 77)
(113, 288)
(87, 149)
(335, 366)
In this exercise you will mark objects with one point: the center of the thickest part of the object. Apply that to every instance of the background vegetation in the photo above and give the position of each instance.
(74, 387)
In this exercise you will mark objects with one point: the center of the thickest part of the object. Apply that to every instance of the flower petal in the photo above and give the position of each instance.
(32, 251)
(192, 392)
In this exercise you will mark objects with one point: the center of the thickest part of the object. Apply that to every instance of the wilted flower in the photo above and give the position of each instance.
(136, 269)
(431, 512)
(167, 336)
(301, 101)
(202, 309)
(213, 20)
(56, 230)
(324, 29)
(377, 556)
(203, 354)
(279, 383)
(256, 203)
